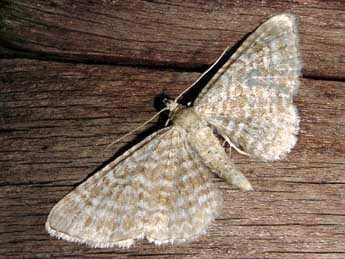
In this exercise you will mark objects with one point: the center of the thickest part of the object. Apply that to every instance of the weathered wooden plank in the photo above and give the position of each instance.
(57, 118)
(184, 34)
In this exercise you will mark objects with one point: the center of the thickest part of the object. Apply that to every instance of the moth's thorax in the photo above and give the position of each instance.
(186, 118)
(174, 108)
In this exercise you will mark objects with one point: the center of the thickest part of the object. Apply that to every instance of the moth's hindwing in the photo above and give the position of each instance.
(250, 97)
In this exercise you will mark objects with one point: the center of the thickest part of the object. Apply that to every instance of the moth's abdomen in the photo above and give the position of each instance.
(207, 146)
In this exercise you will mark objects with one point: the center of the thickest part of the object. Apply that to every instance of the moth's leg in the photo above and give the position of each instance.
(232, 145)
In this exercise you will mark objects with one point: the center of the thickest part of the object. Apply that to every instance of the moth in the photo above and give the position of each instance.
(160, 189)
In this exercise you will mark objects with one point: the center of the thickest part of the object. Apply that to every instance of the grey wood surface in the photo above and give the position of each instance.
(76, 75)
(183, 34)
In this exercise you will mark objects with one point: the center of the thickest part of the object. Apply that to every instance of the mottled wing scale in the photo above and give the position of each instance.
(159, 189)
(184, 208)
(250, 97)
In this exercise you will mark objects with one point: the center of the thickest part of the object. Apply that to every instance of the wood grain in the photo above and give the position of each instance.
(184, 34)
(56, 119)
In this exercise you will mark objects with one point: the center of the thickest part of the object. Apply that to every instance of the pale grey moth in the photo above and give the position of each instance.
(160, 188)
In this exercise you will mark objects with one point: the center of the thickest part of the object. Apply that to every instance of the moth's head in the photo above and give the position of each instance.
(172, 105)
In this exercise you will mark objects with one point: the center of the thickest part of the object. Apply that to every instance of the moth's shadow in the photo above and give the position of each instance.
(158, 104)
(194, 92)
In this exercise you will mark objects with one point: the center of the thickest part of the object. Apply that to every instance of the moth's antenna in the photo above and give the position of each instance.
(136, 129)
(203, 74)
